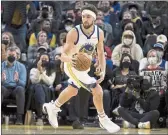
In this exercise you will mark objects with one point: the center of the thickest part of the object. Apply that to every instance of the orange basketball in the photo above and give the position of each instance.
(83, 62)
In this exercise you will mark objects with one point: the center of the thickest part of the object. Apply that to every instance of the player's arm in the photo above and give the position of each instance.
(69, 45)
(100, 52)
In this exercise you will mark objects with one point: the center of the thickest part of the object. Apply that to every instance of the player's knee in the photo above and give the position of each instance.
(97, 91)
(73, 91)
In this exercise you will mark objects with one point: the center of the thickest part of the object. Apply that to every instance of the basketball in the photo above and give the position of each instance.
(83, 62)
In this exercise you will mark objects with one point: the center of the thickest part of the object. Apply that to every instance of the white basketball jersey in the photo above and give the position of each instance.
(86, 43)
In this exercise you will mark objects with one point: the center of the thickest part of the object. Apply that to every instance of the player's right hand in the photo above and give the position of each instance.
(73, 60)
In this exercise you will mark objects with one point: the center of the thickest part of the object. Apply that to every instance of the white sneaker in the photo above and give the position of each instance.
(126, 124)
(107, 124)
(52, 111)
(144, 125)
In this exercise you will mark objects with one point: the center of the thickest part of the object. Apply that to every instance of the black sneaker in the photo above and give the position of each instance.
(77, 125)
(19, 120)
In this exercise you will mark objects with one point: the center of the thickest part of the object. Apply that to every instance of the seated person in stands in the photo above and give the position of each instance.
(40, 47)
(139, 104)
(51, 38)
(8, 39)
(119, 78)
(128, 39)
(14, 81)
(42, 78)
(135, 63)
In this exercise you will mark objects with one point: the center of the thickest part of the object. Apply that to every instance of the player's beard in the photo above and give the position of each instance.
(87, 26)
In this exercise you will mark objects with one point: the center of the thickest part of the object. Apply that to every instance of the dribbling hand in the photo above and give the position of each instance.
(73, 60)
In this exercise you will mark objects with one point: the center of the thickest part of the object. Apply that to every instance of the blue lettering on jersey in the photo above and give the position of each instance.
(87, 48)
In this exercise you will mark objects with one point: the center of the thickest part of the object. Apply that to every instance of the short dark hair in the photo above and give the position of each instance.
(90, 7)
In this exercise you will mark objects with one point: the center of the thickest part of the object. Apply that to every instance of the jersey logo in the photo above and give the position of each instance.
(87, 48)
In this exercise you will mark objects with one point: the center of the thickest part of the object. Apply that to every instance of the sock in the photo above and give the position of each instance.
(58, 104)
(102, 114)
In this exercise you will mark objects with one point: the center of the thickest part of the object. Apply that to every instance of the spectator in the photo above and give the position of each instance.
(51, 38)
(106, 27)
(119, 78)
(153, 60)
(7, 39)
(110, 18)
(61, 42)
(139, 107)
(115, 7)
(14, 81)
(134, 9)
(14, 16)
(129, 25)
(41, 47)
(160, 52)
(162, 39)
(35, 26)
(157, 7)
(68, 24)
(128, 39)
(134, 64)
(153, 27)
(42, 78)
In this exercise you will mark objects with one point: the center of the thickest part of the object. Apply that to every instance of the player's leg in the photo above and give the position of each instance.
(53, 108)
(105, 122)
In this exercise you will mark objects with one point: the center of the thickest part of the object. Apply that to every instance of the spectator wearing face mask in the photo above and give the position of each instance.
(106, 27)
(153, 27)
(126, 17)
(51, 38)
(128, 38)
(134, 64)
(7, 39)
(35, 26)
(35, 50)
(42, 78)
(129, 25)
(68, 24)
(13, 82)
(119, 78)
(14, 16)
(161, 62)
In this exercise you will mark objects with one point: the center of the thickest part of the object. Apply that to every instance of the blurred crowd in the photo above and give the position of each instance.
(34, 33)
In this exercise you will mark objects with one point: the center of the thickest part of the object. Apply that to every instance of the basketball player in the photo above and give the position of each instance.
(83, 38)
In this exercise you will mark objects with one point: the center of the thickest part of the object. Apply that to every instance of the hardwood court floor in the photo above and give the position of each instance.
(13, 129)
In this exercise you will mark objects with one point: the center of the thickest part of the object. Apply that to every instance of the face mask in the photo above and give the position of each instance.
(152, 60)
(160, 54)
(127, 41)
(45, 63)
(105, 9)
(11, 59)
(126, 64)
(68, 28)
(44, 14)
(5, 42)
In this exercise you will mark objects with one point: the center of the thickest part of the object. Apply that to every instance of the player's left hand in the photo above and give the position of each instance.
(102, 75)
